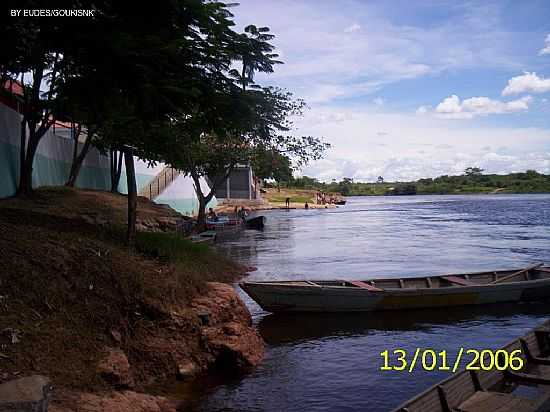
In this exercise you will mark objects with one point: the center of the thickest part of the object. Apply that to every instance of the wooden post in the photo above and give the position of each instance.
(228, 186)
(249, 183)
(132, 196)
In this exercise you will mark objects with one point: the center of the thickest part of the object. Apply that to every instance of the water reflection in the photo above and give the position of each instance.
(322, 362)
(281, 329)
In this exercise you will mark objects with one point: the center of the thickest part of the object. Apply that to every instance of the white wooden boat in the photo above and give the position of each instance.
(506, 390)
(527, 284)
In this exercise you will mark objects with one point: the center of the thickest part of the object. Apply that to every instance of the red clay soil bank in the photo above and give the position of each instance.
(214, 332)
(103, 324)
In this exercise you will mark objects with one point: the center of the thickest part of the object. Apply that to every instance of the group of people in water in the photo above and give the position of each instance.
(322, 198)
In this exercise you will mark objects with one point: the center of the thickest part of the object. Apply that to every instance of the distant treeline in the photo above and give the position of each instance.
(472, 181)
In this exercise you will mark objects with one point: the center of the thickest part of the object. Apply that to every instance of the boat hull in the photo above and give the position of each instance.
(290, 298)
(494, 389)
(256, 222)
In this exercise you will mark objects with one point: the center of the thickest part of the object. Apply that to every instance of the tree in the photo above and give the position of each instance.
(37, 54)
(159, 86)
(78, 158)
(139, 69)
(270, 164)
(255, 54)
(473, 171)
(306, 182)
(234, 118)
(344, 187)
(231, 129)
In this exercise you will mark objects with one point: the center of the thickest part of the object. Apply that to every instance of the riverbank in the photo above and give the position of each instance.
(473, 181)
(103, 323)
(274, 199)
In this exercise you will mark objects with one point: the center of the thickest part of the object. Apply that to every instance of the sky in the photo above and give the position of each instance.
(414, 89)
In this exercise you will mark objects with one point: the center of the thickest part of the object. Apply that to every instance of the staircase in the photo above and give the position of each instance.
(159, 183)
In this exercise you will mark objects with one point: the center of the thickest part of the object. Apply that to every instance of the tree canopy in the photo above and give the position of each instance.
(175, 86)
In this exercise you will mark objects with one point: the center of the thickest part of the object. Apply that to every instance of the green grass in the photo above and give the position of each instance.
(195, 263)
(170, 246)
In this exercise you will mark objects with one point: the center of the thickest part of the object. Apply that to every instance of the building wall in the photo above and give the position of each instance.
(179, 195)
(240, 185)
(52, 163)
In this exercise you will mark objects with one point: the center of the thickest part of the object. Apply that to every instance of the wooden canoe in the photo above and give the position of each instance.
(527, 284)
(502, 391)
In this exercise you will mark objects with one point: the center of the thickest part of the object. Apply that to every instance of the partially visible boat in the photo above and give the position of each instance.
(526, 389)
(208, 236)
(527, 284)
(340, 202)
(225, 225)
(256, 222)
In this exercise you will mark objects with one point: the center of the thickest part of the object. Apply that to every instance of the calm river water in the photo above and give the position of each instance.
(332, 363)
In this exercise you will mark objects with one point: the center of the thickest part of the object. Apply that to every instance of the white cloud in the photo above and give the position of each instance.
(323, 64)
(453, 108)
(424, 109)
(378, 101)
(417, 166)
(546, 48)
(354, 27)
(527, 82)
(359, 149)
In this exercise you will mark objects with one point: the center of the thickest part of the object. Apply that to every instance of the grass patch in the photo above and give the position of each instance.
(170, 246)
(194, 264)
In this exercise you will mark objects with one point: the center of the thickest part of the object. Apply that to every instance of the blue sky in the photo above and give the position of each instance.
(411, 89)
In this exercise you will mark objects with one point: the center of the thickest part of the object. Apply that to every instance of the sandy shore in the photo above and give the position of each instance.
(230, 208)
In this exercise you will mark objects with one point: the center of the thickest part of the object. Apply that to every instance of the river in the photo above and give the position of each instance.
(332, 362)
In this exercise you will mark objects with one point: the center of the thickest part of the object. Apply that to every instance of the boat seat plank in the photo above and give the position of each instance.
(364, 285)
(458, 280)
(519, 272)
(528, 378)
(497, 402)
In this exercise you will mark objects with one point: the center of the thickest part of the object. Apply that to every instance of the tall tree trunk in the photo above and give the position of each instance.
(22, 147)
(78, 160)
(132, 196)
(116, 169)
(25, 179)
(31, 118)
(23, 138)
(203, 201)
(201, 217)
